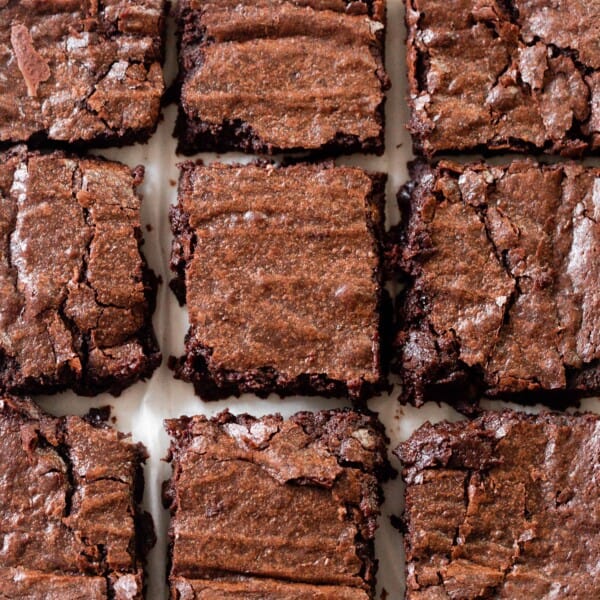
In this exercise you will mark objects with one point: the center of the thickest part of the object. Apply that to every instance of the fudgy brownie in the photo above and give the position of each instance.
(281, 75)
(505, 506)
(503, 293)
(504, 75)
(77, 296)
(85, 72)
(71, 525)
(274, 508)
(280, 268)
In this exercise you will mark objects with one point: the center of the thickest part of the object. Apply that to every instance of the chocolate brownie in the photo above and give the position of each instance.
(85, 72)
(504, 75)
(77, 296)
(71, 525)
(274, 508)
(505, 506)
(281, 75)
(503, 294)
(280, 268)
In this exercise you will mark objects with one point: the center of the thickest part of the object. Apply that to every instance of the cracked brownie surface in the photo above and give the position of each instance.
(280, 269)
(274, 508)
(505, 506)
(77, 295)
(85, 72)
(266, 76)
(70, 525)
(504, 75)
(503, 294)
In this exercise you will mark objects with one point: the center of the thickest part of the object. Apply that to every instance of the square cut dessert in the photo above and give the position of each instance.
(77, 295)
(275, 509)
(80, 72)
(71, 526)
(513, 75)
(505, 506)
(280, 269)
(503, 297)
(281, 75)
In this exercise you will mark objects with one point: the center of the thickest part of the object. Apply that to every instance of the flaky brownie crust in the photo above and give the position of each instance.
(505, 506)
(515, 75)
(84, 73)
(71, 521)
(251, 364)
(502, 283)
(322, 89)
(77, 293)
(273, 506)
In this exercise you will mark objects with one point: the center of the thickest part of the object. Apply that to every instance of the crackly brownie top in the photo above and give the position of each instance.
(505, 506)
(79, 71)
(505, 267)
(288, 501)
(71, 273)
(513, 73)
(67, 490)
(297, 73)
(282, 268)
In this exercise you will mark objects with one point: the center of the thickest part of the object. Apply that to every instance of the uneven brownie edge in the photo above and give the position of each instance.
(529, 42)
(354, 440)
(106, 555)
(195, 135)
(194, 367)
(434, 370)
(127, 21)
(473, 486)
(90, 381)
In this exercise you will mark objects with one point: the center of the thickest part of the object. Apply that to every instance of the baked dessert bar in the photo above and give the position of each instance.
(280, 269)
(71, 525)
(274, 508)
(80, 72)
(503, 282)
(505, 506)
(265, 76)
(77, 295)
(518, 75)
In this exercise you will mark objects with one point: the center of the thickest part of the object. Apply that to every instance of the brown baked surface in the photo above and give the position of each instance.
(280, 269)
(81, 72)
(77, 296)
(70, 524)
(503, 281)
(277, 75)
(520, 75)
(273, 508)
(505, 506)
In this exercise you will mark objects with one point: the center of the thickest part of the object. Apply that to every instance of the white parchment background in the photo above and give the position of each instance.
(142, 408)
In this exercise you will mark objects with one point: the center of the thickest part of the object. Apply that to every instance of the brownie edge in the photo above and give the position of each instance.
(273, 506)
(504, 506)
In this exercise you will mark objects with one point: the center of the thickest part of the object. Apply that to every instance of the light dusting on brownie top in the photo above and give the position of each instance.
(283, 274)
(79, 71)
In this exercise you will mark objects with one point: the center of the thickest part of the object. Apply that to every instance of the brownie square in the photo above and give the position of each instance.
(266, 76)
(274, 508)
(503, 292)
(505, 506)
(71, 525)
(77, 295)
(280, 268)
(80, 72)
(520, 75)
